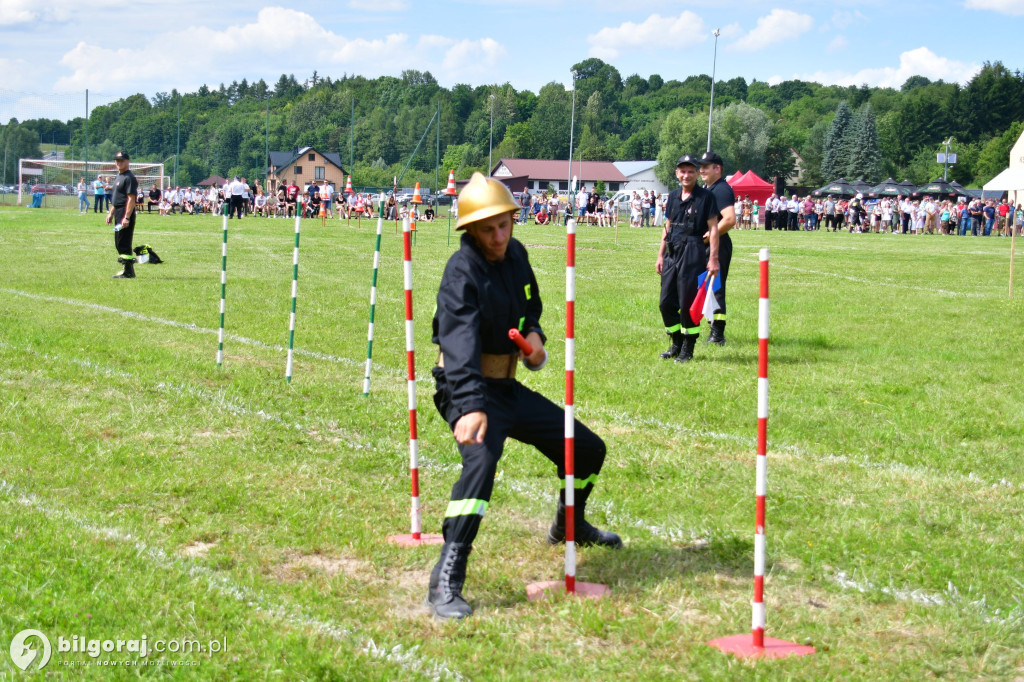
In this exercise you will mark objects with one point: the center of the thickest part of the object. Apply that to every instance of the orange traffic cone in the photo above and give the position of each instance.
(416, 195)
(348, 186)
(451, 183)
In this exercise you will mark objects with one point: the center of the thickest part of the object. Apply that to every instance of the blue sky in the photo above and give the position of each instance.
(119, 47)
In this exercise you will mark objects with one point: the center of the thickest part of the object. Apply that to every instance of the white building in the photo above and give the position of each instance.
(1011, 180)
(640, 176)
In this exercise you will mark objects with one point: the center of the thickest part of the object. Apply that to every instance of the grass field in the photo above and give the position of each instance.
(144, 491)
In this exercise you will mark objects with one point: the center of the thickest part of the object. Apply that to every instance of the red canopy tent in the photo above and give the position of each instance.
(749, 184)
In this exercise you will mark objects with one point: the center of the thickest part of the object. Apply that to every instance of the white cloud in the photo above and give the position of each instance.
(378, 5)
(14, 12)
(919, 62)
(654, 32)
(778, 26)
(473, 55)
(838, 44)
(1014, 7)
(290, 40)
(844, 20)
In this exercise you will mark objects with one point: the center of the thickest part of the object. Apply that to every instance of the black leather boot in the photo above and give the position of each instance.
(127, 269)
(717, 336)
(686, 353)
(586, 534)
(444, 596)
(673, 350)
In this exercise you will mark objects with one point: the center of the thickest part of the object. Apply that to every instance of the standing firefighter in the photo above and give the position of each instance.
(711, 170)
(122, 215)
(488, 288)
(691, 212)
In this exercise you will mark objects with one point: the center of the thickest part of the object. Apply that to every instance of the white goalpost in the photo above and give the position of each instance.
(57, 179)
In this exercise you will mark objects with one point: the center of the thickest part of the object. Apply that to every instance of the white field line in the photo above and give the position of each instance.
(863, 462)
(951, 597)
(216, 399)
(861, 280)
(195, 328)
(407, 658)
(914, 472)
(617, 519)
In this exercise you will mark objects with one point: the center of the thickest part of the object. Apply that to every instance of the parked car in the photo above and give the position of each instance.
(48, 189)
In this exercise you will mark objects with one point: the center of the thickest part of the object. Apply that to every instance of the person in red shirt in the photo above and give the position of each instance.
(1004, 225)
(293, 198)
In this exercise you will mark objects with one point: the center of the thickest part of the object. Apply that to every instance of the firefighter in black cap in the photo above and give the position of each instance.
(488, 288)
(691, 211)
(122, 215)
(711, 172)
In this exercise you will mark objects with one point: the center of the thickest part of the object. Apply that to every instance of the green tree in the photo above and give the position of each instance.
(17, 142)
(995, 155)
(741, 135)
(865, 152)
(550, 122)
(518, 142)
(682, 133)
(836, 149)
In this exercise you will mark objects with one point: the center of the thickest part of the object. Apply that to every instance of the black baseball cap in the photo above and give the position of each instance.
(709, 158)
(688, 160)
(121, 156)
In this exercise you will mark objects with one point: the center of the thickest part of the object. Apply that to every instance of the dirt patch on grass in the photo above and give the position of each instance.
(299, 566)
(196, 549)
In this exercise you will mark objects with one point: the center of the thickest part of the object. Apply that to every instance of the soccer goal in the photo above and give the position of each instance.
(57, 179)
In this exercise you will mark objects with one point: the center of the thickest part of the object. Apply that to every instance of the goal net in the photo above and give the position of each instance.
(56, 179)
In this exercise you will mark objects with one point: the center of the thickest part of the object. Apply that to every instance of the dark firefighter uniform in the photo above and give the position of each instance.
(724, 196)
(478, 302)
(686, 258)
(125, 185)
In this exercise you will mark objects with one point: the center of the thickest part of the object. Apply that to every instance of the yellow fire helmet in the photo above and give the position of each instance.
(482, 198)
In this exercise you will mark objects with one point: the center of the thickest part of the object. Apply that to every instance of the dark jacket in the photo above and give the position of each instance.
(477, 303)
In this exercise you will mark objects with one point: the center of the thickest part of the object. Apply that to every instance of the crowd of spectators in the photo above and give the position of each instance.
(897, 215)
(894, 215)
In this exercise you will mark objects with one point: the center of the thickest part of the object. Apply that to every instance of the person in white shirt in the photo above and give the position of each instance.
(236, 190)
(326, 196)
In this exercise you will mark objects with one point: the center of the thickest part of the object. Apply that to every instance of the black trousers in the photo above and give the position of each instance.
(679, 274)
(123, 237)
(724, 259)
(513, 411)
(236, 206)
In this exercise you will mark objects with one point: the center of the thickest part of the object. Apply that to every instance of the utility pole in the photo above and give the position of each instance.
(572, 124)
(714, 64)
(490, 144)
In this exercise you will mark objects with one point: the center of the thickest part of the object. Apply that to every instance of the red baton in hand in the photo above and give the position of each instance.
(523, 344)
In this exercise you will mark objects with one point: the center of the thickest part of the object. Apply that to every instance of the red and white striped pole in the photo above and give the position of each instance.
(761, 485)
(756, 644)
(584, 589)
(570, 407)
(416, 537)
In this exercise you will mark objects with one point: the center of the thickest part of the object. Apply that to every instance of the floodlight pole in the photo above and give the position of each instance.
(490, 143)
(177, 149)
(945, 159)
(572, 124)
(714, 64)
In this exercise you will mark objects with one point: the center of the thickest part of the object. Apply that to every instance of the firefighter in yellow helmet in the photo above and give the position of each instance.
(488, 288)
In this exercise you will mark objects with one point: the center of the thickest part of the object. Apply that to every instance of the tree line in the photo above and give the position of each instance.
(829, 130)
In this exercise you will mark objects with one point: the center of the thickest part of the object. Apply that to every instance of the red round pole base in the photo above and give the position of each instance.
(742, 646)
(408, 540)
(548, 588)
